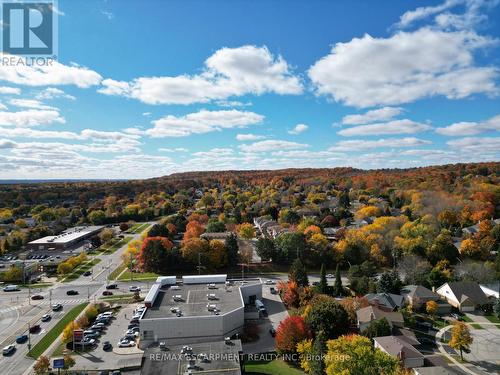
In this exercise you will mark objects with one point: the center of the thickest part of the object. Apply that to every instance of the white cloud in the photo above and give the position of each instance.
(107, 14)
(423, 12)
(476, 144)
(30, 103)
(177, 149)
(228, 72)
(9, 90)
(299, 128)
(3, 106)
(471, 128)
(53, 93)
(55, 74)
(271, 145)
(215, 152)
(380, 114)
(202, 122)
(249, 137)
(404, 126)
(358, 144)
(305, 154)
(31, 117)
(406, 67)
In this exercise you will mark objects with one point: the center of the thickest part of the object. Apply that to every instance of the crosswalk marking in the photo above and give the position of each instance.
(8, 309)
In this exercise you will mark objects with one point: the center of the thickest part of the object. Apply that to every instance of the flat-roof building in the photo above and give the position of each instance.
(200, 308)
(66, 239)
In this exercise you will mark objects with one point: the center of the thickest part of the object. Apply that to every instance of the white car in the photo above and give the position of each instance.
(330, 276)
(270, 282)
(134, 288)
(186, 349)
(126, 344)
(8, 349)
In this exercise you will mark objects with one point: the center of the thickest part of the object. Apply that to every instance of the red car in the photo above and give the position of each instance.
(36, 297)
(35, 328)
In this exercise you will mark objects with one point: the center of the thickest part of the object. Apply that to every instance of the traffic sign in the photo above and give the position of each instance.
(58, 363)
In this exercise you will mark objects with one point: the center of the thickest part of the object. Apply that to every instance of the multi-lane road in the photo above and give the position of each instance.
(17, 310)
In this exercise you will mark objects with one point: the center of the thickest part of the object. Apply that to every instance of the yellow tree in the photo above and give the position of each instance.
(67, 334)
(217, 254)
(130, 254)
(431, 307)
(42, 366)
(304, 349)
(460, 337)
(246, 231)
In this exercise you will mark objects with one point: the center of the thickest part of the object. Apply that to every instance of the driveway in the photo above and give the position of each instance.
(485, 349)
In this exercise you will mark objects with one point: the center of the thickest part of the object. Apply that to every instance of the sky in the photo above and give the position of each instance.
(148, 88)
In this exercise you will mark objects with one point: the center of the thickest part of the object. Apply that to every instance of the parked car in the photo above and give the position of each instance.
(72, 292)
(272, 290)
(112, 286)
(21, 338)
(456, 316)
(11, 288)
(330, 276)
(132, 325)
(91, 333)
(272, 331)
(46, 318)
(107, 293)
(35, 328)
(87, 273)
(36, 297)
(163, 345)
(134, 329)
(8, 350)
(57, 307)
(106, 346)
(88, 341)
(125, 343)
(134, 288)
(270, 282)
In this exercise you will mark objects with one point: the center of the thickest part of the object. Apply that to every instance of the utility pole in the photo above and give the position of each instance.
(29, 338)
(88, 293)
(29, 292)
(50, 297)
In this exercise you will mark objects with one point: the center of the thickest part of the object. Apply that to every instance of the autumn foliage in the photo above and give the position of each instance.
(290, 332)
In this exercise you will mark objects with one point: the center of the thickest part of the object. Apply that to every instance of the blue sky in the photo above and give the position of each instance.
(148, 88)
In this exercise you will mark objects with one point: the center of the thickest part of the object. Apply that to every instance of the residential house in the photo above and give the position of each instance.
(417, 297)
(464, 295)
(368, 314)
(491, 290)
(385, 301)
(401, 347)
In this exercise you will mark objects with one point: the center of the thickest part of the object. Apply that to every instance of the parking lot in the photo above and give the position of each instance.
(117, 358)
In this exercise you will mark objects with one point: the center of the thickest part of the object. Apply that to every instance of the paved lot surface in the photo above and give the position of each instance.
(485, 349)
(276, 313)
(98, 359)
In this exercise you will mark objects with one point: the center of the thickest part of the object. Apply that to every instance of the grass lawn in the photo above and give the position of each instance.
(275, 367)
(123, 299)
(117, 271)
(492, 318)
(80, 270)
(138, 228)
(476, 326)
(130, 276)
(115, 246)
(54, 333)
(36, 285)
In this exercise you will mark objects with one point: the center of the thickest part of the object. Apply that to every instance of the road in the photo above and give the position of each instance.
(17, 309)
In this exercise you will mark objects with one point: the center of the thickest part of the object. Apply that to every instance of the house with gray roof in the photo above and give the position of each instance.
(402, 348)
(368, 314)
(464, 295)
(388, 301)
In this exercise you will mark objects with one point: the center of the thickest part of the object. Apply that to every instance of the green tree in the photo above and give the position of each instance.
(298, 273)
(232, 249)
(389, 282)
(12, 274)
(156, 255)
(158, 230)
(327, 315)
(344, 200)
(265, 248)
(215, 226)
(68, 362)
(378, 328)
(97, 217)
(338, 289)
(290, 246)
(442, 248)
(496, 308)
(318, 350)
(355, 355)
(323, 282)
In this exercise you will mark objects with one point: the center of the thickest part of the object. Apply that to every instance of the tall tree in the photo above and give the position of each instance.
(156, 255)
(327, 315)
(298, 273)
(158, 230)
(323, 283)
(389, 282)
(338, 289)
(318, 351)
(232, 249)
(266, 249)
(290, 332)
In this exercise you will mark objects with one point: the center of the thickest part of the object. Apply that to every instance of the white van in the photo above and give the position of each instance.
(11, 288)
(260, 306)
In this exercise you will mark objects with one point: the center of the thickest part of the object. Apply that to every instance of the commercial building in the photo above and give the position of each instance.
(67, 239)
(198, 309)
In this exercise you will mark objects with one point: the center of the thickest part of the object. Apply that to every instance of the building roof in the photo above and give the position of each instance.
(398, 346)
(194, 300)
(367, 314)
(418, 291)
(68, 235)
(468, 290)
(389, 300)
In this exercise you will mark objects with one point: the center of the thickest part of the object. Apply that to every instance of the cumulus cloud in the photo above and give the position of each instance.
(177, 149)
(420, 13)
(202, 122)
(403, 68)
(30, 103)
(403, 126)
(299, 128)
(271, 145)
(380, 114)
(249, 137)
(53, 93)
(476, 144)
(30, 117)
(358, 144)
(50, 75)
(228, 72)
(471, 128)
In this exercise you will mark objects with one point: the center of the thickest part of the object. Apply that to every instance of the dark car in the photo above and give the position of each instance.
(107, 293)
(272, 331)
(35, 328)
(72, 292)
(106, 346)
(87, 273)
(21, 338)
(112, 286)
(132, 325)
(36, 297)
